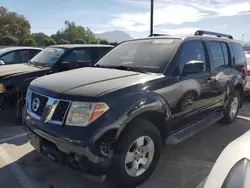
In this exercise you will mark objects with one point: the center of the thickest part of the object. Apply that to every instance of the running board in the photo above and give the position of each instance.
(189, 131)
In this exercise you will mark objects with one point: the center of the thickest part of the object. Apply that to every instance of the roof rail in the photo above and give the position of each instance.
(201, 33)
(156, 35)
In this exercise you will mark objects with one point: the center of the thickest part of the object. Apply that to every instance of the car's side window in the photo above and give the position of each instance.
(78, 57)
(225, 53)
(24, 56)
(216, 56)
(83, 55)
(9, 58)
(239, 55)
(193, 51)
(33, 53)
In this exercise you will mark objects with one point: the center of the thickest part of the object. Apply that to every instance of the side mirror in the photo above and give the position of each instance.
(64, 66)
(2, 62)
(193, 67)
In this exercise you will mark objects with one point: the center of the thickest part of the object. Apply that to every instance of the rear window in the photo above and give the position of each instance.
(239, 54)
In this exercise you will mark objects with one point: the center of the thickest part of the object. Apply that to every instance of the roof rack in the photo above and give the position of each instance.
(201, 33)
(156, 35)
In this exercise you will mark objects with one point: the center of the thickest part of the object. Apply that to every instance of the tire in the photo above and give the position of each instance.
(230, 117)
(140, 129)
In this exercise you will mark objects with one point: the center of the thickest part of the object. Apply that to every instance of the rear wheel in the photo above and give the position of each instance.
(136, 154)
(232, 108)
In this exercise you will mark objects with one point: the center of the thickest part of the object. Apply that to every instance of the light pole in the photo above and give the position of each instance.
(242, 38)
(152, 17)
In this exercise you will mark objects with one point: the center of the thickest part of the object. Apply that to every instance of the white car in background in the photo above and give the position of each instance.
(232, 168)
(247, 88)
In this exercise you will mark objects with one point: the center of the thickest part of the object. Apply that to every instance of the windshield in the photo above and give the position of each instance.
(48, 57)
(151, 55)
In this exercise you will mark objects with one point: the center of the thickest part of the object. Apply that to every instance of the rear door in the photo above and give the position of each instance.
(221, 71)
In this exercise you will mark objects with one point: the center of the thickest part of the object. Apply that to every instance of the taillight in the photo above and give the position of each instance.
(248, 73)
(2, 88)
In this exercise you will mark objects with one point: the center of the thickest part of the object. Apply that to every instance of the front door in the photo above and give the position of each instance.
(193, 91)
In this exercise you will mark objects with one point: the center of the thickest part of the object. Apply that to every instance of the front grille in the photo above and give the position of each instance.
(60, 111)
(43, 101)
(56, 109)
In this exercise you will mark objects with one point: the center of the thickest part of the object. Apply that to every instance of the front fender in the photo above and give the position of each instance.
(132, 105)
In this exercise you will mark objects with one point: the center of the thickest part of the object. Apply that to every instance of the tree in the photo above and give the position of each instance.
(13, 24)
(92, 37)
(63, 41)
(28, 42)
(39, 38)
(79, 41)
(49, 41)
(8, 40)
(94, 42)
(71, 32)
(104, 41)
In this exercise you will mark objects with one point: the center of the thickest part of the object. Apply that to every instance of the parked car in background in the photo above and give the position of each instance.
(14, 79)
(17, 55)
(232, 168)
(247, 88)
(113, 118)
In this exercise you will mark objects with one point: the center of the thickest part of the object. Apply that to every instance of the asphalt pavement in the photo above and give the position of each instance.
(184, 165)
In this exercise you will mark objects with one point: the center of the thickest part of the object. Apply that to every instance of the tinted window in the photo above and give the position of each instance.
(217, 58)
(225, 53)
(193, 51)
(82, 55)
(239, 54)
(34, 53)
(101, 51)
(24, 56)
(151, 55)
(9, 58)
(79, 58)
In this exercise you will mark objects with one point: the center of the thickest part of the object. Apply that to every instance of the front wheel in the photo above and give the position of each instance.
(137, 153)
(232, 108)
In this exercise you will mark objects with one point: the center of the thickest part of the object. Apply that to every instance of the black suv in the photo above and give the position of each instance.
(114, 117)
(15, 79)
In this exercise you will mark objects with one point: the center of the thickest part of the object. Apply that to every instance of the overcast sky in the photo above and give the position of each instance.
(132, 16)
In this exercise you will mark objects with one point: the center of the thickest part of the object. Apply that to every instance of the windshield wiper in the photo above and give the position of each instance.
(122, 67)
(100, 66)
(36, 64)
(134, 69)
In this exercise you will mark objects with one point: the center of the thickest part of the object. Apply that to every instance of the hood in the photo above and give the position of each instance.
(86, 83)
(8, 70)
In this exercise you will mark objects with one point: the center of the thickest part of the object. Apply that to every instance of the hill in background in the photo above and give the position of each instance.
(114, 36)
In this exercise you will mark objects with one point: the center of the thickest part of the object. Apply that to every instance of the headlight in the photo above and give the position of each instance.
(2, 88)
(81, 113)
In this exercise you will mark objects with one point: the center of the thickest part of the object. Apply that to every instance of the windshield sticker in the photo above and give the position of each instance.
(165, 41)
